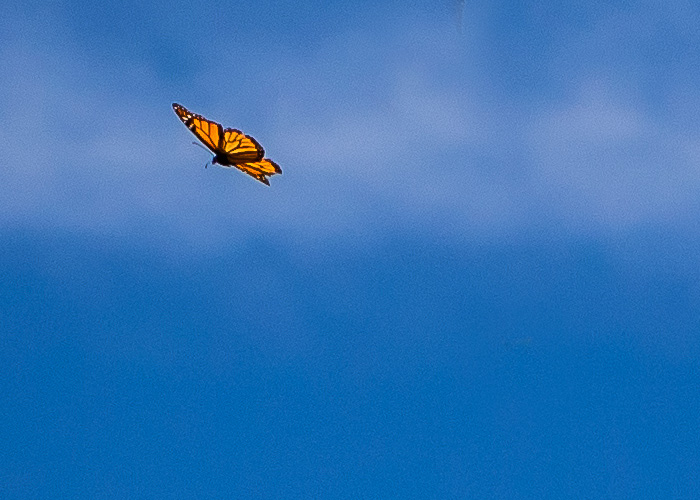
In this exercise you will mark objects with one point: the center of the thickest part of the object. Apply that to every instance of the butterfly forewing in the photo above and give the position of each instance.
(240, 147)
(207, 131)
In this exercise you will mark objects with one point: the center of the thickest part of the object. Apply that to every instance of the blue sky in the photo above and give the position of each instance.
(477, 276)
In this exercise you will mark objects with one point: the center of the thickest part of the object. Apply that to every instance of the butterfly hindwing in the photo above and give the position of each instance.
(260, 169)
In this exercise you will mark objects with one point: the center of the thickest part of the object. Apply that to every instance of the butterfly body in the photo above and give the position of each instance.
(222, 160)
(230, 146)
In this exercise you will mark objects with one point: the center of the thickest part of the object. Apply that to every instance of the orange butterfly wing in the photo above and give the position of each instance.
(260, 169)
(207, 131)
(240, 147)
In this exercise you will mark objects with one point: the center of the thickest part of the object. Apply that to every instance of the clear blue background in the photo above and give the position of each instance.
(478, 276)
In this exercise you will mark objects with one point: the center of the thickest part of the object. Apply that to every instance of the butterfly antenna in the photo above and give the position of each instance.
(205, 149)
(459, 11)
(198, 144)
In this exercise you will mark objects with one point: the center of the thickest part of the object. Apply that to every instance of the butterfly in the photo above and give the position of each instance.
(231, 147)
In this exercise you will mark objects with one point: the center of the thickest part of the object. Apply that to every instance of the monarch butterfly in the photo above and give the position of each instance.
(231, 147)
